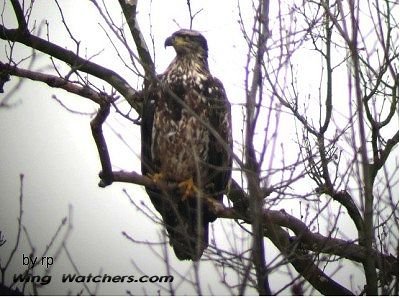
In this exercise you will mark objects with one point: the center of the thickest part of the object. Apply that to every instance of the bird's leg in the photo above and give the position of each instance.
(187, 188)
(157, 177)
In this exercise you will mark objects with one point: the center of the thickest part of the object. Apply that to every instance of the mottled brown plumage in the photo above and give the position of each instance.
(183, 111)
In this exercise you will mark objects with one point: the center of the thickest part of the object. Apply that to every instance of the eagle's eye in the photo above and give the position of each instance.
(184, 40)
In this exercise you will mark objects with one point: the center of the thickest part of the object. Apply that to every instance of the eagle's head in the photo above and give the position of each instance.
(188, 42)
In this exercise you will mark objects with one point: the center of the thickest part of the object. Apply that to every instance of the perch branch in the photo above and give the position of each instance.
(305, 239)
(96, 125)
(72, 59)
(53, 81)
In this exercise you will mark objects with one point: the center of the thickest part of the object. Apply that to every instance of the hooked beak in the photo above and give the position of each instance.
(168, 42)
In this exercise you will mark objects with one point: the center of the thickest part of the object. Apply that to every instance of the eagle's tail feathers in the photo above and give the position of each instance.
(188, 240)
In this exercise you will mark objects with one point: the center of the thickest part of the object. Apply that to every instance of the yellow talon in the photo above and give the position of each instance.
(156, 178)
(188, 188)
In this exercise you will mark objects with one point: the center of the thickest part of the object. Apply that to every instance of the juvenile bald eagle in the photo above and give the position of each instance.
(186, 133)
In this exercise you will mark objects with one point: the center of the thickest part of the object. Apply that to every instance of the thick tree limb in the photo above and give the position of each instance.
(319, 243)
(305, 239)
(129, 10)
(252, 163)
(53, 81)
(72, 59)
(304, 264)
(97, 132)
(19, 14)
(345, 199)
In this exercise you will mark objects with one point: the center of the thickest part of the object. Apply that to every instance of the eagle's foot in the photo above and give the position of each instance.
(188, 188)
(156, 178)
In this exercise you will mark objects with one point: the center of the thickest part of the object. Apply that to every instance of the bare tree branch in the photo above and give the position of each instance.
(129, 10)
(19, 13)
(97, 133)
(53, 81)
(74, 61)
(305, 239)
